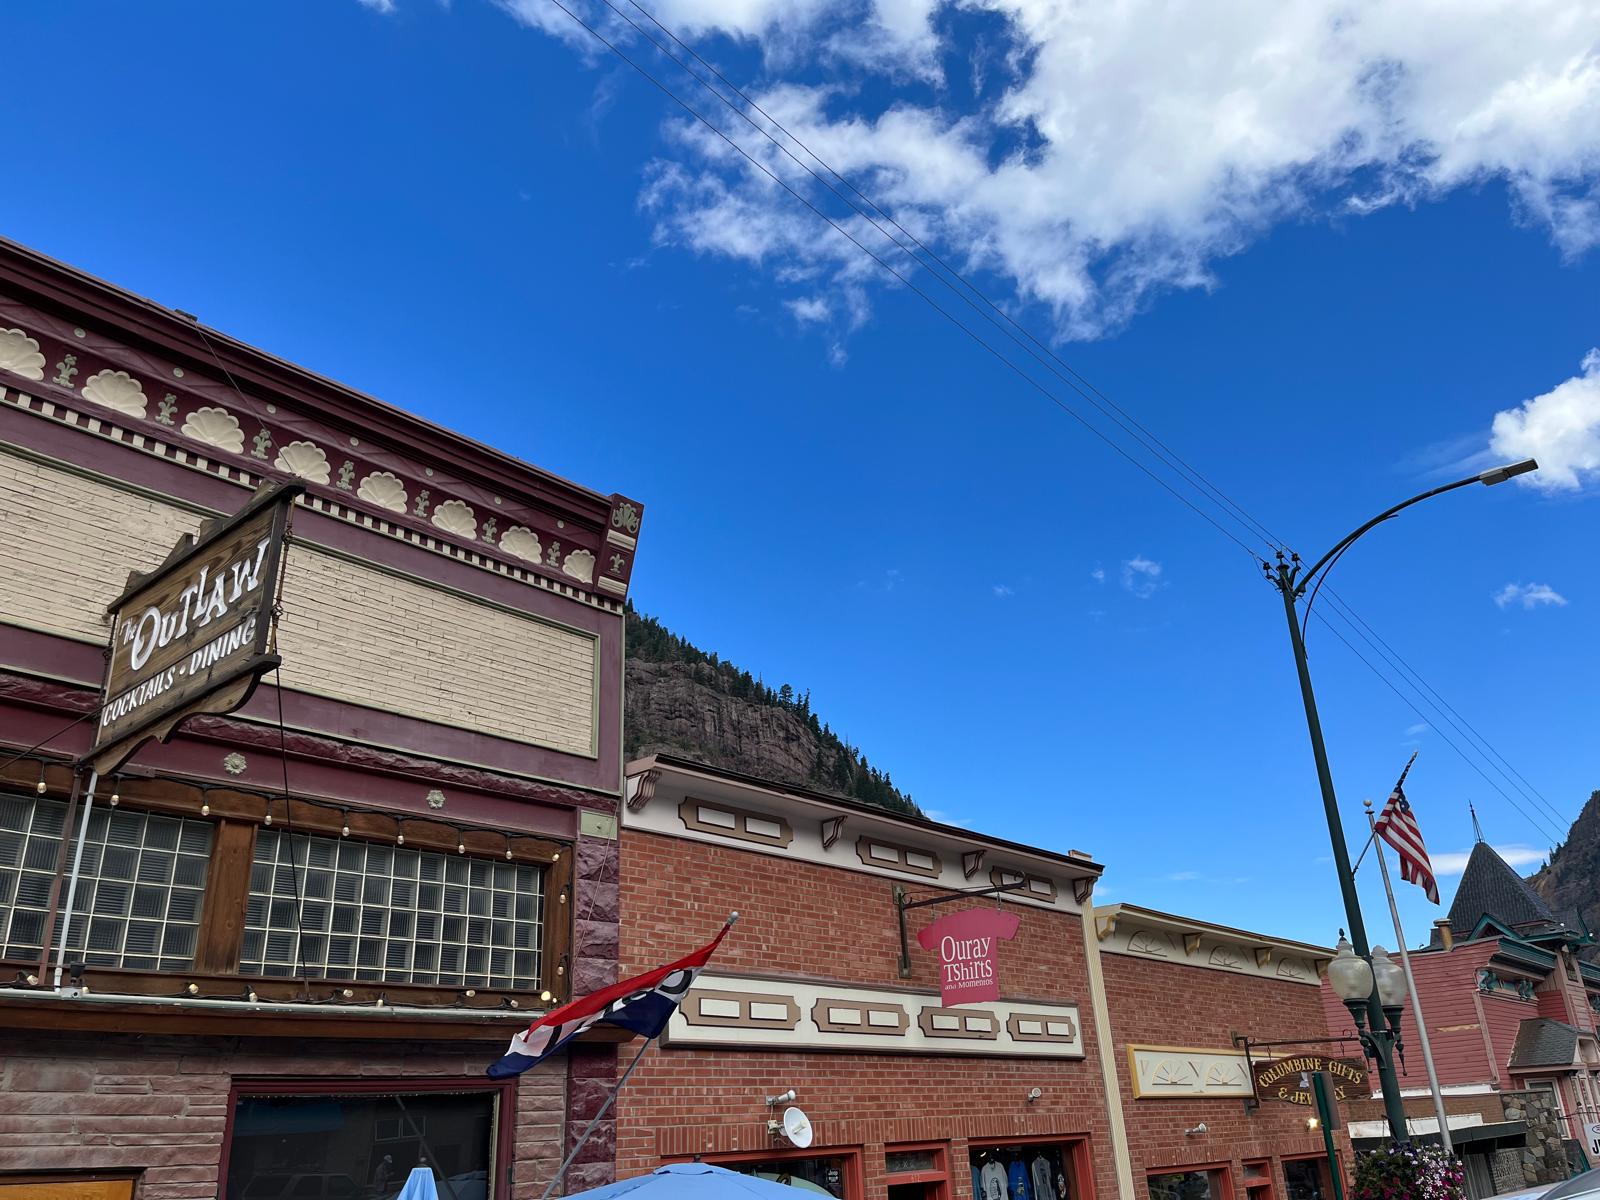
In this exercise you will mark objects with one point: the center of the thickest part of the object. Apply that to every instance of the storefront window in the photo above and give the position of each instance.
(1027, 1172)
(824, 1175)
(360, 1146)
(1188, 1185)
(392, 914)
(1306, 1179)
(139, 892)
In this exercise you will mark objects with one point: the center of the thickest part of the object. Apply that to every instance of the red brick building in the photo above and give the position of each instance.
(1106, 1066)
(1182, 993)
(907, 1098)
(300, 931)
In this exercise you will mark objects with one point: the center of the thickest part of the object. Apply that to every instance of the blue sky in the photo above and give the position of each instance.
(1315, 257)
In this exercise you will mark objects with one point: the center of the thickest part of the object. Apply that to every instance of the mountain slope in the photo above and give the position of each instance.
(682, 700)
(1571, 879)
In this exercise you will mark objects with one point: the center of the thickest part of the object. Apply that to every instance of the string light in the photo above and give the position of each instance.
(41, 786)
(116, 781)
(344, 816)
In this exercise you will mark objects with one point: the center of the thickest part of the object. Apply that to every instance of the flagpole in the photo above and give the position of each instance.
(561, 1171)
(611, 1099)
(1411, 983)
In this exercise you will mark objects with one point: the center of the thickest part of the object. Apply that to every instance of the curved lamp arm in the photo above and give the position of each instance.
(1488, 478)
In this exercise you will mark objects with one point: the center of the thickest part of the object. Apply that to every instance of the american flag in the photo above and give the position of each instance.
(1397, 825)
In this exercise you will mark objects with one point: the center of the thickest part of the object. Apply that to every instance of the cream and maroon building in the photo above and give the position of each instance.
(302, 930)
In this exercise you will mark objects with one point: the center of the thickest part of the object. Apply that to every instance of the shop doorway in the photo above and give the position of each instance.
(917, 1172)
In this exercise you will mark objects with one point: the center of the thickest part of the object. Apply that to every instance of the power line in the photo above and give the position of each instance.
(1130, 425)
(1539, 825)
(934, 304)
(1461, 724)
(1027, 341)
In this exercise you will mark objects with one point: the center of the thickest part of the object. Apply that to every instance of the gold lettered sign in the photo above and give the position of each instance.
(196, 634)
(1281, 1079)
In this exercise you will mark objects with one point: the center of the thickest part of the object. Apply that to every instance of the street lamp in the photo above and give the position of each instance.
(1356, 981)
(1292, 580)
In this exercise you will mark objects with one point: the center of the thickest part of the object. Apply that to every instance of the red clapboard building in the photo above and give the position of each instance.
(1511, 1011)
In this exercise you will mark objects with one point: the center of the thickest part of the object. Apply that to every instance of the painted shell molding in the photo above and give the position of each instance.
(215, 427)
(457, 517)
(19, 354)
(385, 490)
(523, 542)
(580, 565)
(116, 390)
(304, 459)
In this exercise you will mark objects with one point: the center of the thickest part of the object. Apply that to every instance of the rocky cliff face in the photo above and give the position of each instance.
(684, 701)
(675, 708)
(1572, 877)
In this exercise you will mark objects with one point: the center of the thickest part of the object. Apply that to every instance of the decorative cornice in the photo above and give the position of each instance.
(157, 375)
(78, 415)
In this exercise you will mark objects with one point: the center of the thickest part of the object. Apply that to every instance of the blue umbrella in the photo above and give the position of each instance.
(691, 1181)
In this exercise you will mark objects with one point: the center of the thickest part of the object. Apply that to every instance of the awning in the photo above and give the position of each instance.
(1501, 1135)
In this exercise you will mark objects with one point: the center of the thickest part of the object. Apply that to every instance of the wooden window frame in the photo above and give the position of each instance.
(502, 1141)
(1224, 1169)
(236, 816)
(1265, 1188)
(938, 1176)
(1076, 1150)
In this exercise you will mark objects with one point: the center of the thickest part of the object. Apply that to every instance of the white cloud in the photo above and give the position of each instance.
(1561, 429)
(808, 309)
(1529, 595)
(1098, 574)
(1142, 577)
(1419, 728)
(1453, 862)
(1184, 876)
(383, 6)
(1119, 150)
(1002, 592)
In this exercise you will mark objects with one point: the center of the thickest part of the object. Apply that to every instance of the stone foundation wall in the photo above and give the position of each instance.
(1544, 1158)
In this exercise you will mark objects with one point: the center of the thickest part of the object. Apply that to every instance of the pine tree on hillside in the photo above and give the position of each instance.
(836, 765)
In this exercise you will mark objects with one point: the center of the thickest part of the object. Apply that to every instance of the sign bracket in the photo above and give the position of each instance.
(903, 904)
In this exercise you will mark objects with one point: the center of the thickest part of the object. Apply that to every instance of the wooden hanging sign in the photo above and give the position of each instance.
(1281, 1079)
(196, 634)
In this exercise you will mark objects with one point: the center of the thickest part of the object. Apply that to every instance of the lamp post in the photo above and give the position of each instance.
(1292, 580)
(1355, 980)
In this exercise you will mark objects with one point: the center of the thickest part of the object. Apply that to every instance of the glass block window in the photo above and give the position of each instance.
(139, 890)
(392, 914)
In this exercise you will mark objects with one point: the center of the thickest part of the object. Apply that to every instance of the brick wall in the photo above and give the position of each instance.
(801, 918)
(159, 1105)
(805, 919)
(1169, 1004)
(348, 632)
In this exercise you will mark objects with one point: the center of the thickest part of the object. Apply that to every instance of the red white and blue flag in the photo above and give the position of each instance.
(643, 1004)
(1397, 825)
